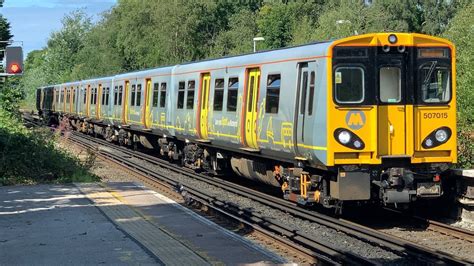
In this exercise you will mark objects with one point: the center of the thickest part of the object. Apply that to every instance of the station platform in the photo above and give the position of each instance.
(113, 223)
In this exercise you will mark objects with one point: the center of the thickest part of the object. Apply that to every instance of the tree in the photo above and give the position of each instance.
(65, 44)
(5, 34)
(461, 32)
(238, 38)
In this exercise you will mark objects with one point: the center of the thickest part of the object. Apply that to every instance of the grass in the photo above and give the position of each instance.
(31, 157)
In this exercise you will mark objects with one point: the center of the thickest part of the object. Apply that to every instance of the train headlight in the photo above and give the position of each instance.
(349, 139)
(441, 135)
(392, 38)
(344, 137)
(437, 137)
(429, 142)
(357, 144)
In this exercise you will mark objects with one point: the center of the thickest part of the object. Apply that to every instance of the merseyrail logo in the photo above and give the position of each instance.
(355, 119)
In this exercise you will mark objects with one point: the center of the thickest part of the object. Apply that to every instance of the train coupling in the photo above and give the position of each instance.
(399, 185)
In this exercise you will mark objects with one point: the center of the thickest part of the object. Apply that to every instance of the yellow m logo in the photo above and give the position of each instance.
(355, 119)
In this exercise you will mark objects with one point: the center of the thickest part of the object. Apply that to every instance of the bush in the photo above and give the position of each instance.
(29, 156)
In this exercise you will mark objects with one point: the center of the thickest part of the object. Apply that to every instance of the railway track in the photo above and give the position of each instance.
(320, 250)
(433, 234)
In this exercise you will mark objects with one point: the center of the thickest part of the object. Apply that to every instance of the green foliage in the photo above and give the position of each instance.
(235, 40)
(31, 156)
(461, 32)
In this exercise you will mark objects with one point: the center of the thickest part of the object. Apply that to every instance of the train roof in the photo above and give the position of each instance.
(313, 49)
(168, 69)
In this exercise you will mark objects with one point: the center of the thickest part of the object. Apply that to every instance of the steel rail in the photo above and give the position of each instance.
(439, 227)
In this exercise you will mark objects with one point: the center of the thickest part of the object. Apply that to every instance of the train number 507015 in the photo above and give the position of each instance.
(435, 115)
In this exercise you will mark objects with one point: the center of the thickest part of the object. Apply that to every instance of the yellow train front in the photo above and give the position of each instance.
(391, 120)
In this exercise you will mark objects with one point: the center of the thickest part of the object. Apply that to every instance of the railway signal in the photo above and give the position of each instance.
(14, 60)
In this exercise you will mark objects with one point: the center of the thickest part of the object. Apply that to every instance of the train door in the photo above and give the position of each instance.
(251, 98)
(88, 98)
(98, 102)
(64, 93)
(303, 130)
(391, 109)
(204, 105)
(125, 102)
(147, 117)
(72, 107)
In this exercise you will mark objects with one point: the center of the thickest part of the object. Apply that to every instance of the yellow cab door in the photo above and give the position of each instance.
(148, 96)
(204, 105)
(125, 103)
(251, 99)
(392, 109)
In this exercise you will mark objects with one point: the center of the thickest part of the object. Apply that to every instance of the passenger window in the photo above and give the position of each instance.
(67, 96)
(233, 89)
(349, 84)
(139, 95)
(156, 87)
(190, 99)
(95, 95)
(311, 92)
(85, 95)
(273, 94)
(104, 91)
(120, 95)
(390, 84)
(115, 95)
(92, 95)
(132, 99)
(218, 94)
(181, 95)
(107, 95)
(163, 95)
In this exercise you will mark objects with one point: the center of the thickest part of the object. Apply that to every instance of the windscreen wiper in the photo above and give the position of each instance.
(430, 71)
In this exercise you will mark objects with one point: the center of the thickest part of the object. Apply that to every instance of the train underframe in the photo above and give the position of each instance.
(396, 182)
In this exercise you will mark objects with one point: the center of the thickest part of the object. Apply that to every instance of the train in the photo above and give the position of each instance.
(366, 118)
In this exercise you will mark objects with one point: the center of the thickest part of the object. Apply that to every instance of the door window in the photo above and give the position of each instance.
(390, 84)
(250, 94)
(311, 92)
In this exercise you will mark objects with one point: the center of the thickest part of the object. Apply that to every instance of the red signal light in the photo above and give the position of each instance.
(15, 68)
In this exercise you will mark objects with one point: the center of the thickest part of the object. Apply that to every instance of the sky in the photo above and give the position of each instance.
(32, 21)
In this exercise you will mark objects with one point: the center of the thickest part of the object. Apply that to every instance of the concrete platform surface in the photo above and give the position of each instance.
(115, 224)
(56, 224)
(168, 223)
